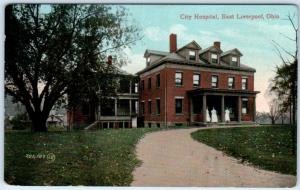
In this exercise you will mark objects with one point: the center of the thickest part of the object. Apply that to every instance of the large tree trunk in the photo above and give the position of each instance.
(39, 123)
(273, 121)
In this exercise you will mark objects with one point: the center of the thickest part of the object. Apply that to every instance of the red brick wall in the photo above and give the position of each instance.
(168, 74)
(76, 117)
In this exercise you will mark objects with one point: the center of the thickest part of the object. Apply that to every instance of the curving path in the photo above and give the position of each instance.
(173, 158)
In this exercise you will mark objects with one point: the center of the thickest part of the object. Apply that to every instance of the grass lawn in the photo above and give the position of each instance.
(269, 148)
(102, 158)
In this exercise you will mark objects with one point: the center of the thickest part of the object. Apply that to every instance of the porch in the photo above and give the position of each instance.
(241, 105)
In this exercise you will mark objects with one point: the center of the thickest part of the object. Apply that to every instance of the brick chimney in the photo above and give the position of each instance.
(109, 60)
(217, 45)
(173, 43)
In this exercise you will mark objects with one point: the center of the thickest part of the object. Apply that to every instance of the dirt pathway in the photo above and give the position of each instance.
(173, 158)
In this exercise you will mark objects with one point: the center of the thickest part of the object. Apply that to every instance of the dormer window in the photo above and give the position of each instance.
(192, 55)
(214, 58)
(148, 61)
(234, 60)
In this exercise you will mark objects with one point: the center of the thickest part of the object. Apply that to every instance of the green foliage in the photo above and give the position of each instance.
(20, 122)
(269, 148)
(102, 158)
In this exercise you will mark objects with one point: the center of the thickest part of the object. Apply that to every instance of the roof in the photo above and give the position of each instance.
(176, 58)
(189, 45)
(200, 91)
(210, 48)
(155, 52)
(232, 51)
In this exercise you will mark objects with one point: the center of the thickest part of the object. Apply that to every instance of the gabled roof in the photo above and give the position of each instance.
(155, 52)
(234, 51)
(211, 48)
(192, 45)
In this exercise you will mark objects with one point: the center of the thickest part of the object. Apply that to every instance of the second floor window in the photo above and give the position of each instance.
(231, 82)
(214, 58)
(136, 90)
(192, 55)
(196, 80)
(214, 81)
(142, 85)
(158, 80)
(178, 79)
(244, 83)
(149, 83)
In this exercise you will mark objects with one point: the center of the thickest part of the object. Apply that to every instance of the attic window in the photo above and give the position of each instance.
(234, 60)
(192, 55)
(148, 61)
(214, 58)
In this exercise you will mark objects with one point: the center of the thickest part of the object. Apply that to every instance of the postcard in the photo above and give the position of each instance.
(151, 95)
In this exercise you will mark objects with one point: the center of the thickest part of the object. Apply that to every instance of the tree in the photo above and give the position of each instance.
(274, 111)
(284, 84)
(48, 47)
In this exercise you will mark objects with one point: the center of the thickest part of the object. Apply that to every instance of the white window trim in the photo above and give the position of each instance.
(178, 97)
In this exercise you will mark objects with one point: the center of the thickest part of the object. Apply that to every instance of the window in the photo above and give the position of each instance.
(231, 82)
(149, 83)
(149, 107)
(142, 108)
(158, 106)
(244, 105)
(136, 88)
(192, 55)
(214, 58)
(142, 85)
(148, 61)
(196, 80)
(158, 80)
(234, 59)
(178, 106)
(244, 83)
(214, 81)
(178, 79)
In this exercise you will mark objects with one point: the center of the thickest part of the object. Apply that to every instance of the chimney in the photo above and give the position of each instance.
(109, 60)
(173, 43)
(217, 45)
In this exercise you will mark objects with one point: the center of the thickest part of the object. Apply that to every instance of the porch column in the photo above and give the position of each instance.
(191, 109)
(239, 108)
(204, 108)
(130, 107)
(99, 112)
(222, 109)
(116, 107)
(130, 87)
(254, 109)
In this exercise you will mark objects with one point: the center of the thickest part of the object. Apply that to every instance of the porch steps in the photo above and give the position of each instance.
(92, 126)
(201, 124)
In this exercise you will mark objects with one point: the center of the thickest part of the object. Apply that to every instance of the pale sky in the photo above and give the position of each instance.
(252, 37)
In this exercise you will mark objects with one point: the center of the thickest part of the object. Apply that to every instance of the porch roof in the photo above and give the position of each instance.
(225, 92)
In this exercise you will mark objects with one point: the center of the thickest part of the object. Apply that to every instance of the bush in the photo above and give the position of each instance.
(20, 122)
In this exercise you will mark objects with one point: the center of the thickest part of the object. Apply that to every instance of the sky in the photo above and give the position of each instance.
(253, 37)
